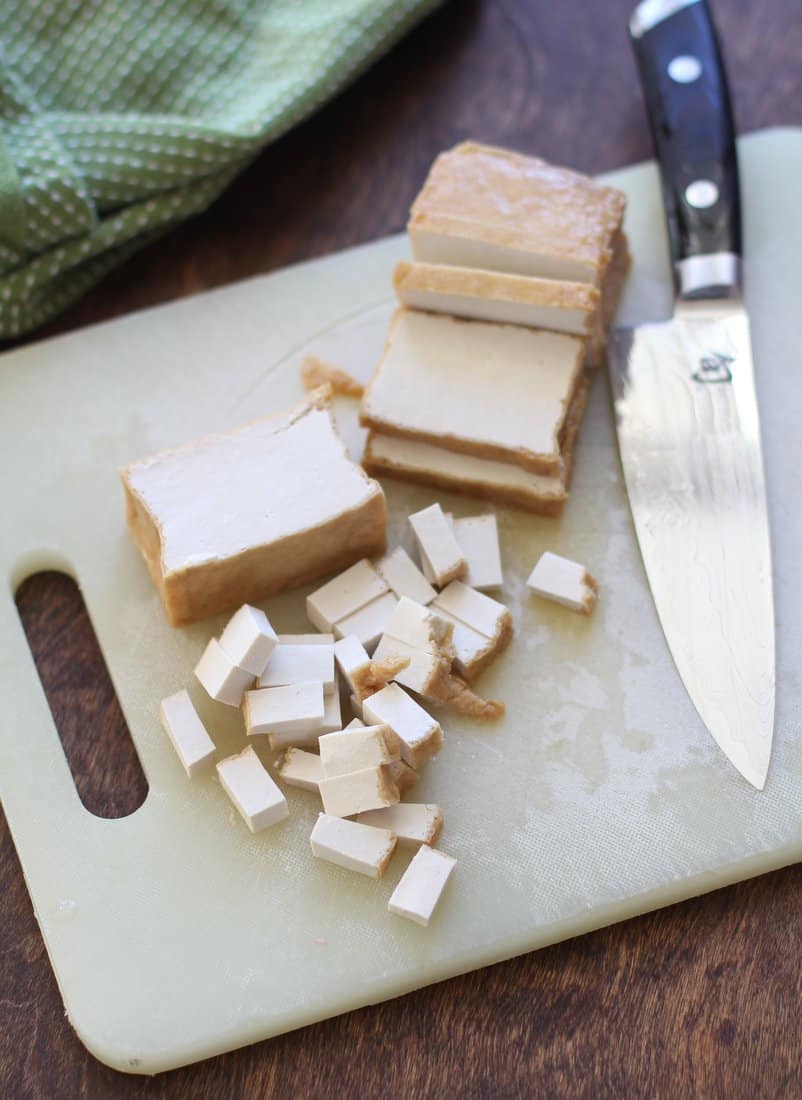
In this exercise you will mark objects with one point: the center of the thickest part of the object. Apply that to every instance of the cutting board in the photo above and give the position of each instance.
(173, 932)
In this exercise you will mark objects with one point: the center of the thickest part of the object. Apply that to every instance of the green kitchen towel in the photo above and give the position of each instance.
(120, 118)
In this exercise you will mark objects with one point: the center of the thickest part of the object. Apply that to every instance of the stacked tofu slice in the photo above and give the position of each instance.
(518, 269)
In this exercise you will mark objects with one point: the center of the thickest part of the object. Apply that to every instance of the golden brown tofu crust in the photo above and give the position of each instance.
(521, 202)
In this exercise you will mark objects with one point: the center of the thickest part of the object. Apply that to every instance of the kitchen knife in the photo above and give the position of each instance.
(685, 406)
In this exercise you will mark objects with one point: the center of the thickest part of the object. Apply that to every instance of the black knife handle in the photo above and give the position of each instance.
(688, 102)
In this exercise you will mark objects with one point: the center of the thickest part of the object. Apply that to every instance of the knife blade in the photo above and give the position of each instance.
(685, 406)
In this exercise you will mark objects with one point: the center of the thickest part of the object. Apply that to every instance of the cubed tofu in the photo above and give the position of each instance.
(420, 735)
(414, 823)
(294, 663)
(441, 558)
(251, 789)
(224, 681)
(249, 639)
(361, 848)
(421, 886)
(404, 577)
(366, 789)
(344, 595)
(193, 745)
(565, 582)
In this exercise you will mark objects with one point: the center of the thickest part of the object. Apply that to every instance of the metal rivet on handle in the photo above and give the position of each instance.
(685, 68)
(701, 194)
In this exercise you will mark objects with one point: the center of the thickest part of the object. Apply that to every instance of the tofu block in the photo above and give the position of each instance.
(420, 735)
(426, 673)
(344, 595)
(421, 885)
(492, 391)
(352, 750)
(251, 789)
(473, 651)
(477, 610)
(555, 304)
(404, 777)
(222, 679)
(565, 582)
(193, 745)
(332, 713)
(368, 624)
(249, 639)
(332, 720)
(352, 659)
(404, 577)
(413, 823)
(301, 769)
(305, 639)
(477, 538)
(437, 546)
(296, 710)
(235, 518)
(419, 627)
(298, 664)
(364, 676)
(496, 210)
(361, 848)
(366, 789)
(499, 482)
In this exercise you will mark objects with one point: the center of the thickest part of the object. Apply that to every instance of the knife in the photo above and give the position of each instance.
(685, 407)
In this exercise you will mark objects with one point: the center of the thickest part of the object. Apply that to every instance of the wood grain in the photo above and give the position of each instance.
(702, 999)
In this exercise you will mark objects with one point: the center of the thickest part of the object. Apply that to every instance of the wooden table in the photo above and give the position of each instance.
(701, 999)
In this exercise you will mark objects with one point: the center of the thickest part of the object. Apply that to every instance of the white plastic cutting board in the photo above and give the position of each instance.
(174, 933)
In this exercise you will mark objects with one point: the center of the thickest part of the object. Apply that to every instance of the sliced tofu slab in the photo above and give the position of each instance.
(492, 391)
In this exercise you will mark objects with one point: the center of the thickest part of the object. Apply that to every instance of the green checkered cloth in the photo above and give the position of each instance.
(121, 118)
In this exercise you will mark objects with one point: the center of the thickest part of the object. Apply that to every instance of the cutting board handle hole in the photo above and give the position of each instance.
(102, 758)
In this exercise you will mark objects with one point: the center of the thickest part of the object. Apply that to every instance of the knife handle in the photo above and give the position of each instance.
(688, 101)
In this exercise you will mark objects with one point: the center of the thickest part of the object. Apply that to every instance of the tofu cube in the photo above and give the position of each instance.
(352, 750)
(438, 548)
(299, 663)
(249, 639)
(360, 848)
(420, 735)
(404, 577)
(565, 582)
(301, 769)
(251, 789)
(223, 680)
(297, 710)
(369, 622)
(477, 538)
(478, 611)
(193, 745)
(345, 594)
(366, 789)
(422, 884)
(413, 823)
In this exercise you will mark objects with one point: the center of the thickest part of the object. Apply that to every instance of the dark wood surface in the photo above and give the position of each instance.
(702, 999)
